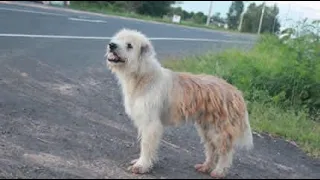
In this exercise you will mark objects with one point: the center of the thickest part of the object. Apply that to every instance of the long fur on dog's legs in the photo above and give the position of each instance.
(223, 165)
(209, 148)
(151, 135)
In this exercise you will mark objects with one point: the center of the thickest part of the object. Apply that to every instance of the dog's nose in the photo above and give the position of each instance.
(113, 46)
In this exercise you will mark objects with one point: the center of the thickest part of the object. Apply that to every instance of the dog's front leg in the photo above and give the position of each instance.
(151, 135)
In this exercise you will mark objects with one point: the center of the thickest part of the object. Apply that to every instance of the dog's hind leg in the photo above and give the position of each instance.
(225, 156)
(205, 132)
(223, 165)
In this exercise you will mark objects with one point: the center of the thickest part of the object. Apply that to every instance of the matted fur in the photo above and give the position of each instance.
(155, 97)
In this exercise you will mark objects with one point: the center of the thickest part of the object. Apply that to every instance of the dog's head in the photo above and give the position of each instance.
(128, 49)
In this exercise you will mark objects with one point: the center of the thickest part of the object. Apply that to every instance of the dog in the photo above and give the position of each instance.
(155, 97)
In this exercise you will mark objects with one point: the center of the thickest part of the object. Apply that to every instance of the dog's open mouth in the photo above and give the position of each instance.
(113, 57)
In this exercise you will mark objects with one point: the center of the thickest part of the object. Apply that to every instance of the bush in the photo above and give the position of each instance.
(282, 71)
(280, 78)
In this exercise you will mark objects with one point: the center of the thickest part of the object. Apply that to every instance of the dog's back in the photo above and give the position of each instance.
(209, 100)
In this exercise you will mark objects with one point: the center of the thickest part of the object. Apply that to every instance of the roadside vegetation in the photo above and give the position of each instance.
(163, 11)
(280, 78)
(119, 9)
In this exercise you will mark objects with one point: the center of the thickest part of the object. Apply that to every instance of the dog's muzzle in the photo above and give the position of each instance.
(112, 56)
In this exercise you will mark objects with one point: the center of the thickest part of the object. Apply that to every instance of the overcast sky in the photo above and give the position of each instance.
(295, 10)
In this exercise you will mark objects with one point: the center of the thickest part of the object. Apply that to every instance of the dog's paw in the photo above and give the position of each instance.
(204, 168)
(134, 161)
(138, 167)
(217, 175)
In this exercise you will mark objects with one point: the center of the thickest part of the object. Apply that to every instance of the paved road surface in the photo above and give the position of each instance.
(61, 112)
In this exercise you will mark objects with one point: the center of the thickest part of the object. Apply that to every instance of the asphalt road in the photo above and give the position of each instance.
(61, 110)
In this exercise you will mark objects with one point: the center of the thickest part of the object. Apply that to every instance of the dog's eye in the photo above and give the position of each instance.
(129, 46)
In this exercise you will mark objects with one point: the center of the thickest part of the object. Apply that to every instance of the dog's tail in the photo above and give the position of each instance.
(246, 141)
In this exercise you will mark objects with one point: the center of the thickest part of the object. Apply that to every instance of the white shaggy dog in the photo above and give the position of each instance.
(155, 97)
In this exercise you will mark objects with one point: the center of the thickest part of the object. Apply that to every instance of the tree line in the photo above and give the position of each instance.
(250, 21)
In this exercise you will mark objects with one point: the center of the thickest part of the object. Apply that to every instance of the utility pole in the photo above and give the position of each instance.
(241, 16)
(241, 20)
(261, 18)
(209, 14)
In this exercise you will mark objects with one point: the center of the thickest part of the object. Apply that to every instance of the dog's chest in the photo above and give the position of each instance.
(134, 98)
(137, 109)
(133, 104)
(145, 102)
(143, 106)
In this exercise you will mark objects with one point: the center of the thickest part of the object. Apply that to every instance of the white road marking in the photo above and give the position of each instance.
(30, 11)
(54, 36)
(108, 38)
(53, 14)
(198, 39)
(87, 20)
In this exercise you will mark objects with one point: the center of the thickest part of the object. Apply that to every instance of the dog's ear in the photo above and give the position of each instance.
(144, 49)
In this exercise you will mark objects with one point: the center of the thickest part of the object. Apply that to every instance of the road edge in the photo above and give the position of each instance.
(66, 9)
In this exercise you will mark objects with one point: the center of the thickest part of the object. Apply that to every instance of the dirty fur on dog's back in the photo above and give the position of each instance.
(210, 101)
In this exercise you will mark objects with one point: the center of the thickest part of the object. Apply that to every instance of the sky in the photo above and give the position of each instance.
(295, 10)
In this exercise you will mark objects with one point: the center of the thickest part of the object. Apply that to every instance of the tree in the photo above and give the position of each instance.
(270, 22)
(151, 8)
(186, 15)
(218, 15)
(217, 18)
(154, 8)
(177, 11)
(233, 16)
(199, 18)
(276, 24)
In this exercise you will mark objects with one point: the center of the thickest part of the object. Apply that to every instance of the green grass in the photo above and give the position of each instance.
(288, 124)
(118, 12)
(264, 74)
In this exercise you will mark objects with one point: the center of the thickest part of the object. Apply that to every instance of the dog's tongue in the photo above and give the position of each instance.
(111, 56)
